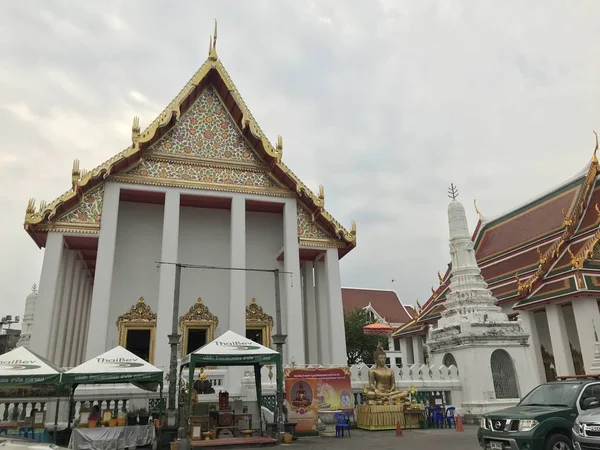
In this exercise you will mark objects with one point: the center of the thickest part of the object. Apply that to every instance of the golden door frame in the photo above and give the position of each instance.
(139, 317)
(198, 317)
(257, 319)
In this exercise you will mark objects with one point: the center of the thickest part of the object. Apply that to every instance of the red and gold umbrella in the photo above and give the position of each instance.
(378, 329)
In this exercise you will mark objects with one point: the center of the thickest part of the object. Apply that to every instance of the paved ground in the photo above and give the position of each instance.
(443, 439)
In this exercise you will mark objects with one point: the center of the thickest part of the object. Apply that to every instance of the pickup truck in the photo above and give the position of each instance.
(543, 419)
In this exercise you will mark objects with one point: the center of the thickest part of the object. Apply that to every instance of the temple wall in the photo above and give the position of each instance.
(137, 249)
(264, 241)
(204, 239)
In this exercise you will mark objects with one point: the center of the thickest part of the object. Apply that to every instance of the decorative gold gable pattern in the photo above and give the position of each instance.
(90, 209)
(207, 131)
(307, 229)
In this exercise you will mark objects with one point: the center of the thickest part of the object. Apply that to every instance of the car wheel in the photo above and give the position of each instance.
(558, 442)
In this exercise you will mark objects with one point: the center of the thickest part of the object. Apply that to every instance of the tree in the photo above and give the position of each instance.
(359, 347)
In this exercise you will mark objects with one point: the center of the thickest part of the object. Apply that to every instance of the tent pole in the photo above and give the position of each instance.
(258, 383)
(58, 391)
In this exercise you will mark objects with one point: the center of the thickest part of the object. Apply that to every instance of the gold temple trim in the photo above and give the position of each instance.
(198, 317)
(139, 317)
(257, 319)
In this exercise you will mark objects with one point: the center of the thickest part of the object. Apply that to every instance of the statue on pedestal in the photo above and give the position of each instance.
(382, 382)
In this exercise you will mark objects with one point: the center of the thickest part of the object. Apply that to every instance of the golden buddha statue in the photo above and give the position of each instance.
(382, 382)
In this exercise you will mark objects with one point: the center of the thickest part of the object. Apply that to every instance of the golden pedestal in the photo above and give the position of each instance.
(380, 417)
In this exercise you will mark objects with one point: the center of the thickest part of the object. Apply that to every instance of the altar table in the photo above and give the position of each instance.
(112, 438)
(380, 417)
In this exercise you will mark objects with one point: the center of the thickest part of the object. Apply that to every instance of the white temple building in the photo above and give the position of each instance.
(473, 330)
(28, 317)
(201, 185)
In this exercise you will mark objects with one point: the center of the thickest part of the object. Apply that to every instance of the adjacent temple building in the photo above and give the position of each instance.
(201, 185)
(541, 262)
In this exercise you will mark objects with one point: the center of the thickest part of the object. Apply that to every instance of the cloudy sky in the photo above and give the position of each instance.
(383, 102)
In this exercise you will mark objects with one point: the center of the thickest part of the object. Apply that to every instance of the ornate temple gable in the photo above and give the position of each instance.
(89, 210)
(206, 131)
(163, 172)
(311, 234)
(230, 139)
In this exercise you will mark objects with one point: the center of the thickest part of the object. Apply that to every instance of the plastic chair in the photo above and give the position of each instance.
(438, 417)
(342, 423)
(450, 417)
(24, 431)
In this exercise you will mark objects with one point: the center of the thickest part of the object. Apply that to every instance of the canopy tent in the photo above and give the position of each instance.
(118, 365)
(231, 349)
(21, 366)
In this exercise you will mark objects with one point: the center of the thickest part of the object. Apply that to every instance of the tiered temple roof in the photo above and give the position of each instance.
(384, 302)
(250, 164)
(543, 250)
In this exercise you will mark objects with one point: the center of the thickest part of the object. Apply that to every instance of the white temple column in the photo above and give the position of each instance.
(237, 283)
(98, 334)
(528, 322)
(294, 347)
(166, 285)
(58, 306)
(67, 295)
(49, 281)
(310, 316)
(337, 333)
(81, 323)
(321, 293)
(87, 322)
(67, 341)
(417, 342)
(560, 340)
(587, 321)
(79, 306)
(404, 351)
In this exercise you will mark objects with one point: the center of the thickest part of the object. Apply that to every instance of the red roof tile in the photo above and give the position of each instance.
(385, 302)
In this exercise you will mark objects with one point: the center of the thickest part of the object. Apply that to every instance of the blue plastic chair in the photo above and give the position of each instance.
(24, 431)
(450, 417)
(438, 417)
(342, 423)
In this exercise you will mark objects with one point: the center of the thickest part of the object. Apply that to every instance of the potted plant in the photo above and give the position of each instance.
(132, 418)
(143, 416)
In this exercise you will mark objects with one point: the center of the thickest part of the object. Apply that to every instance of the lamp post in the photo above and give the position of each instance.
(279, 341)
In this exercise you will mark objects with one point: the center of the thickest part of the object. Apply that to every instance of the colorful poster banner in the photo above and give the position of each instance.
(308, 390)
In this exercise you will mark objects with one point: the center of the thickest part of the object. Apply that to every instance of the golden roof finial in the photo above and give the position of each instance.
(595, 157)
(352, 227)
(141, 300)
(597, 210)
(212, 50)
(75, 173)
(321, 193)
(440, 278)
(253, 301)
(135, 129)
(476, 208)
(42, 206)
(199, 301)
(279, 143)
(419, 308)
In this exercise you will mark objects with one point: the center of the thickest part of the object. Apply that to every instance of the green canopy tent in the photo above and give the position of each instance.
(231, 349)
(115, 366)
(25, 370)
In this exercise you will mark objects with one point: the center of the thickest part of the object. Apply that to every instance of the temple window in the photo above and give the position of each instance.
(449, 360)
(503, 375)
(259, 325)
(137, 330)
(198, 327)
(397, 344)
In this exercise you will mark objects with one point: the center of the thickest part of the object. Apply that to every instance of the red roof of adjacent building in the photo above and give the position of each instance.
(385, 302)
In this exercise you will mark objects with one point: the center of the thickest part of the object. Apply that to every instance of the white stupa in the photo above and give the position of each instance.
(491, 351)
(28, 316)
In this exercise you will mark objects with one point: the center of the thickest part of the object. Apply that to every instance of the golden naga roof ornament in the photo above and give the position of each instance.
(30, 207)
(279, 148)
(353, 228)
(576, 260)
(419, 308)
(595, 157)
(212, 47)
(440, 278)
(75, 173)
(434, 293)
(322, 195)
(567, 221)
(476, 208)
(541, 258)
(135, 130)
